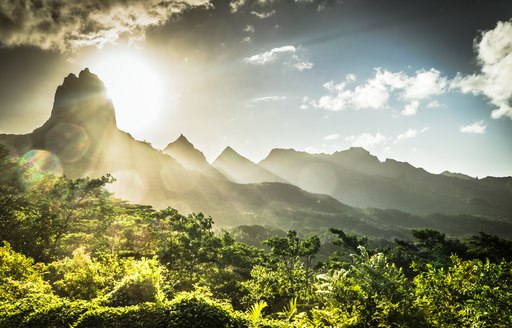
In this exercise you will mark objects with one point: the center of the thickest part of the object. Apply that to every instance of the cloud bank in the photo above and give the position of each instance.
(375, 92)
(475, 128)
(68, 25)
(494, 53)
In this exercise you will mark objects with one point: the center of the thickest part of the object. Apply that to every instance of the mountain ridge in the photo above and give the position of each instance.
(239, 169)
(82, 133)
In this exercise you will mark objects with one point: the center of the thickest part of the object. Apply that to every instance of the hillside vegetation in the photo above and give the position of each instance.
(74, 256)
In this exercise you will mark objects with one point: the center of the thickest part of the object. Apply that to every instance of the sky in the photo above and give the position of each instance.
(427, 82)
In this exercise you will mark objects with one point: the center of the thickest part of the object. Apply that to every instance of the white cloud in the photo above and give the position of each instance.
(424, 85)
(331, 137)
(263, 14)
(476, 128)
(411, 108)
(410, 133)
(249, 29)
(69, 25)
(270, 99)
(269, 56)
(376, 91)
(494, 52)
(301, 64)
(434, 104)
(295, 61)
(366, 140)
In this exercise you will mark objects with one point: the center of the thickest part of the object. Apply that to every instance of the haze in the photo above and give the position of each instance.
(423, 82)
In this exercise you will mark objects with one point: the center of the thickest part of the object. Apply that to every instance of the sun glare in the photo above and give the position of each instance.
(135, 87)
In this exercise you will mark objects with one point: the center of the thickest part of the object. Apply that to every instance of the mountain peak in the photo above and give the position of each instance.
(191, 158)
(181, 140)
(181, 143)
(83, 99)
(229, 150)
(242, 170)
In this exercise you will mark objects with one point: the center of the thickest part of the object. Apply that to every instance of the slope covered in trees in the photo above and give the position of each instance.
(74, 256)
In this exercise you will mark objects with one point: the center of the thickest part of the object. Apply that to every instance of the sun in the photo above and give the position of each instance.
(135, 86)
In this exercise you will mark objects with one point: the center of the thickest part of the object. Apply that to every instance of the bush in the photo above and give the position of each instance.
(142, 284)
(186, 310)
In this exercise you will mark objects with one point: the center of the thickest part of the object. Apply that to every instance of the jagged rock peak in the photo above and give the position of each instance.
(85, 81)
(83, 97)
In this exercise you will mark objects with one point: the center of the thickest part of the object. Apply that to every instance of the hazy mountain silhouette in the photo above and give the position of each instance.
(457, 175)
(241, 170)
(357, 178)
(191, 158)
(81, 139)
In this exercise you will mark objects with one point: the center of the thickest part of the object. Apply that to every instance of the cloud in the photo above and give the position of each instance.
(410, 134)
(68, 25)
(494, 53)
(434, 104)
(424, 84)
(376, 91)
(249, 29)
(259, 8)
(295, 61)
(263, 14)
(411, 108)
(331, 137)
(270, 99)
(476, 128)
(300, 64)
(366, 140)
(269, 56)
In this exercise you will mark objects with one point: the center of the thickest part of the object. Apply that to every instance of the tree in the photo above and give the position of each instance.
(371, 292)
(471, 293)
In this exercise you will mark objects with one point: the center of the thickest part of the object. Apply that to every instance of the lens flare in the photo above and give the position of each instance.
(69, 141)
(43, 160)
(40, 162)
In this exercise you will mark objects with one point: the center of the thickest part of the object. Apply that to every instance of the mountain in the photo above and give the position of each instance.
(457, 175)
(241, 170)
(191, 158)
(81, 138)
(357, 178)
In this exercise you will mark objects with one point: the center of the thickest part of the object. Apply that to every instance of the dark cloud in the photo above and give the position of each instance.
(68, 25)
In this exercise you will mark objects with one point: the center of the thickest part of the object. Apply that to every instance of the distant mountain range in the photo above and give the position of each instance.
(350, 189)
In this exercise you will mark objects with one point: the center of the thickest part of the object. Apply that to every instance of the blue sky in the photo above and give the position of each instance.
(423, 82)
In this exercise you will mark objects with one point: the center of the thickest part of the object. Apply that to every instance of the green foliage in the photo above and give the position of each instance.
(75, 257)
(468, 294)
(19, 277)
(255, 312)
(370, 293)
(290, 310)
(79, 277)
(142, 283)
(186, 310)
(46, 216)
